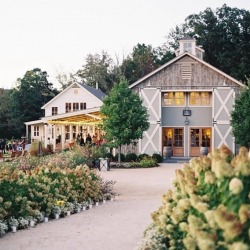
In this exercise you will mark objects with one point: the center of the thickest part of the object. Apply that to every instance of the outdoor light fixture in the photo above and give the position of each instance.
(186, 121)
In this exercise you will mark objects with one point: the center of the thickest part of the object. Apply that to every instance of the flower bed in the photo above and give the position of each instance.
(209, 207)
(46, 186)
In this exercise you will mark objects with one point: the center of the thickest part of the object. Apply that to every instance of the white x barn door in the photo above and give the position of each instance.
(223, 100)
(151, 141)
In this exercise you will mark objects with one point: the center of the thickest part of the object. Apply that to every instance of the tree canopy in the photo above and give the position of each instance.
(240, 118)
(26, 99)
(125, 118)
(224, 34)
(101, 70)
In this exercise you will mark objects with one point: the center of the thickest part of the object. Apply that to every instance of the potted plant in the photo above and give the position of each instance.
(13, 224)
(77, 207)
(56, 211)
(23, 223)
(204, 148)
(69, 208)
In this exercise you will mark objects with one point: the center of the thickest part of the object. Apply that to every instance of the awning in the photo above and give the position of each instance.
(90, 117)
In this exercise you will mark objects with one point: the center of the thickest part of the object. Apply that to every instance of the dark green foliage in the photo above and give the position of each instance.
(157, 157)
(240, 118)
(139, 63)
(131, 157)
(117, 156)
(125, 118)
(109, 156)
(223, 34)
(148, 162)
(100, 69)
(141, 156)
(27, 98)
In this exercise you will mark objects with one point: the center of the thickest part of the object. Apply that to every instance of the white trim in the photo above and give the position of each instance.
(223, 138)
(223, 106)
(58, 95)
(150, 102)
(149, 139)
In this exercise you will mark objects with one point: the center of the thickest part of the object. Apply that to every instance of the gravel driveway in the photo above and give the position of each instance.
(116, 225)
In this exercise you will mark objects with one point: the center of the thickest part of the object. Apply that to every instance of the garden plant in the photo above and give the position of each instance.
(47, 186)
(208, 208)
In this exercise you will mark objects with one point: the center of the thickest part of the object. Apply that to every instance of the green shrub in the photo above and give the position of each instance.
(131, 157)
(141, 156)
(134, 165)
(122, 157)
(157, 157)
(109, 156)
(208, 208)
(148, 162)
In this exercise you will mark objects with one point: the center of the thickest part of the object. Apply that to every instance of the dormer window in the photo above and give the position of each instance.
(187, 47)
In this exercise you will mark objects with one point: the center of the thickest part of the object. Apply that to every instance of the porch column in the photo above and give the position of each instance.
(63, 136)
(27, 133)
(54, 137)
(70, 134)
(45, 135)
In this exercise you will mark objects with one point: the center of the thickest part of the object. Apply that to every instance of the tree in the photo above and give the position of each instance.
(224, 34)
(26, 99)
(240, 118)
(139, 63)
(125, 118)
(101, 70)
(65, 79)
(5, 129)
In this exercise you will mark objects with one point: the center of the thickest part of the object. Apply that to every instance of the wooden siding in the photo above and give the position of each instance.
(201, 77)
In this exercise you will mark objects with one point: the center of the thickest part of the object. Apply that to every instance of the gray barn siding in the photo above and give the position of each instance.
(201, 77)
(173, 116)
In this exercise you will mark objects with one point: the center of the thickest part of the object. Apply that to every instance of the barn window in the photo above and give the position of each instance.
(174, 99)
(200, 98)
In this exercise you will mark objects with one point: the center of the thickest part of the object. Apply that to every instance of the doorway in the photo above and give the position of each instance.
(199, 137)
(174, 138)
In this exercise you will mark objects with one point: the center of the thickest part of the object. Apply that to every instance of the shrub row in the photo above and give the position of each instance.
(132, 157)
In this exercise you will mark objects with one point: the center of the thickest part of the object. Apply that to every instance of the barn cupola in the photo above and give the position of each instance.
(188, 44)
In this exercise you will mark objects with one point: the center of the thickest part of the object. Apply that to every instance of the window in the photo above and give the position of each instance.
(75, 91)
(75, 106)
(83, 105)
(54, 110)
(36, 131)
(200, 98)
(187, 47)
(178, 137)
(174, 99)
(67, 107)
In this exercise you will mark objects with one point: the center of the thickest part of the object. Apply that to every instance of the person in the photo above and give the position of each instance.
(14, 145)
(81, 141)
(88, 139)
(94, 139)
(23, 144)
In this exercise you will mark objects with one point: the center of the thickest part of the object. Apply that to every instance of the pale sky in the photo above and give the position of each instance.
(57, 35)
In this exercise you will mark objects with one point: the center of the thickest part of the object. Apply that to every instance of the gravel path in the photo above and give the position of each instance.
(116, 225)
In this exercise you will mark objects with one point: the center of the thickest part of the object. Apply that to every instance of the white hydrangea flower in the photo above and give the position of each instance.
(236, 186)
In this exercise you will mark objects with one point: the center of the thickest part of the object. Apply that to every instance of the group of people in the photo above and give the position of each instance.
(89, 140)
(14, 145)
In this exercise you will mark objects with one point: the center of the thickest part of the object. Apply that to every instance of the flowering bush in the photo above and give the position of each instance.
(152, 239)
(209, 207)
(3, 228)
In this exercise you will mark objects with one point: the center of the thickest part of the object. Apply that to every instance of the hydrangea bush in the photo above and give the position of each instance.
(33, 188)
(209, 206)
